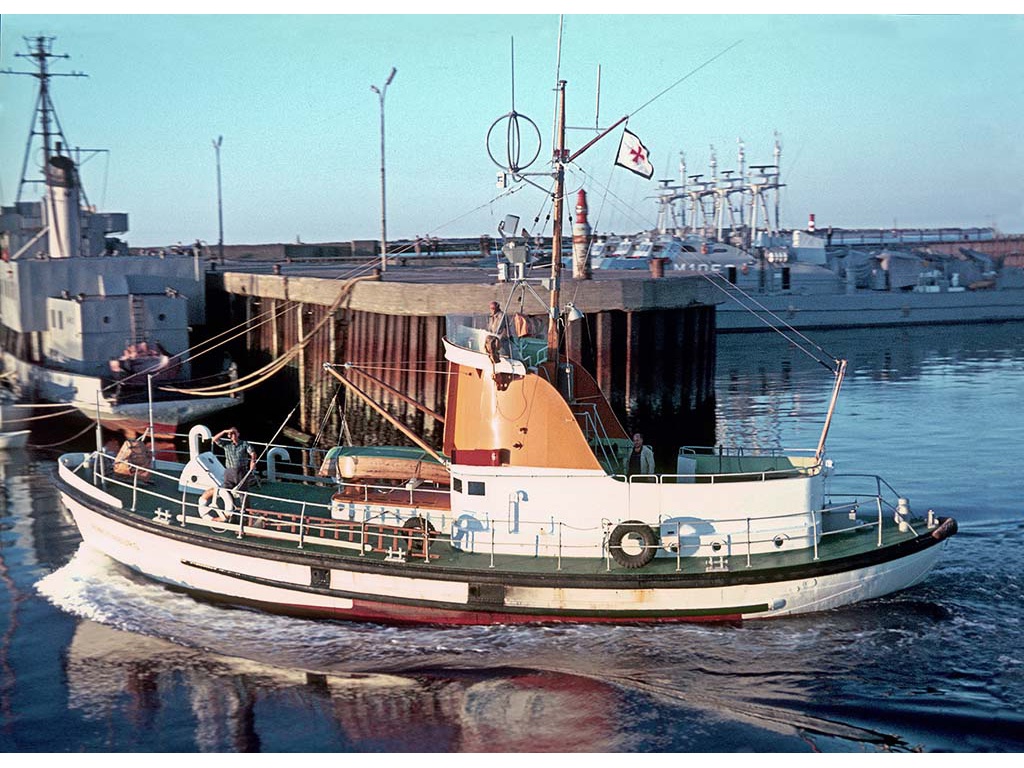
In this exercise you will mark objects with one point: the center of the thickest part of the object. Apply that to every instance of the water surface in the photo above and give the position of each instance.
(94, 658)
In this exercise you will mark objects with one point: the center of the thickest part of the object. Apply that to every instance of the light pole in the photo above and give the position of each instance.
(383, 204)
(220, 208)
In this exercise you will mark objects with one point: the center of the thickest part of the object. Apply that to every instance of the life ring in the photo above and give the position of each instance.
(640, 541)
(415, 527)
(210, 510)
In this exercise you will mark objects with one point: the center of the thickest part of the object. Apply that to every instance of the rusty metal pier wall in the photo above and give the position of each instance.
(649, 343)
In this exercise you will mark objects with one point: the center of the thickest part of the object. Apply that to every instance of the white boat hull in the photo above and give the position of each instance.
(288, 582)
(86, 395)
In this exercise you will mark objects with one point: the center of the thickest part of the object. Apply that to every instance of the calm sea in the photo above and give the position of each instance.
(95, 659)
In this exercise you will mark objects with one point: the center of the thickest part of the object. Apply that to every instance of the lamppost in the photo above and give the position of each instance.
(383, 209)
(220, 208)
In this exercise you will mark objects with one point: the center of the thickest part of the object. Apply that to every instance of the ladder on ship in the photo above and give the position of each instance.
(136, 319)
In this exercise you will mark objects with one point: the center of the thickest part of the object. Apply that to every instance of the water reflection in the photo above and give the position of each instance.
(115, 675)
(561, 688)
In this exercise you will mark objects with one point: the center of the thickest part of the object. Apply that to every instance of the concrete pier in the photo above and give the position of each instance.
(649, 342)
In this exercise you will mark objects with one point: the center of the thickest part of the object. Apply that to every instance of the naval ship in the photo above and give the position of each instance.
(84, 323)
(726, 229)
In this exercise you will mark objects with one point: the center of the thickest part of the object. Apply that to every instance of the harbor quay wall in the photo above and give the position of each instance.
(650, 344)
(1008, 248)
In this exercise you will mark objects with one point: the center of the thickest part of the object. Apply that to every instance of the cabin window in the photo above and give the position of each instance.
(106, 319)
(457, 484)
(476, 488)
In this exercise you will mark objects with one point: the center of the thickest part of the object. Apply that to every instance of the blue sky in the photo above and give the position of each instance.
(906, 120)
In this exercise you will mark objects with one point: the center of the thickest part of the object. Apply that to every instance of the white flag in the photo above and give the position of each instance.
(633, 155)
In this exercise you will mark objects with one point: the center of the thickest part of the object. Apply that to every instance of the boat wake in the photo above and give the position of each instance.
(773, 677)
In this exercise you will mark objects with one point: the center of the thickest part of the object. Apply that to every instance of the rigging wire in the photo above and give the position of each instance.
(687, 76)
(89, 426)
(262, 374)
(624, 206)
(789, 329)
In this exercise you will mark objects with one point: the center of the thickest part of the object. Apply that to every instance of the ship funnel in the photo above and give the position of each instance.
(580, 240)
(61, 208)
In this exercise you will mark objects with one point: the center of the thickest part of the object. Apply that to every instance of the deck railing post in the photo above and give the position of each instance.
(492, 545)
(814, 521)
(135, 488)
(183, 509)
(362, 538)
(559, 564)
(878, 499)
(302, 524)
(748, 543)
(241, 516)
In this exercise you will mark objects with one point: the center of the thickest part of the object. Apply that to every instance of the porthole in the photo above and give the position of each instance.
(161, 317)
(778, 541)
(716, 546)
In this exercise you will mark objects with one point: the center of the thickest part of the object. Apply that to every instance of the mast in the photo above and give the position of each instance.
(840, 373)
(49, 128)
(556, 236)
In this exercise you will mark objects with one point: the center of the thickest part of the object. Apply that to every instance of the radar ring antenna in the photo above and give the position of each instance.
(515, 124)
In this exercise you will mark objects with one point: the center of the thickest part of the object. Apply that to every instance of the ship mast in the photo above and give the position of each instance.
(554, 309)
(49, 128)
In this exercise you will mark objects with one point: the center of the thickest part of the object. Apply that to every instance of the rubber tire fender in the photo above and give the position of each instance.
(415, 527)
(628, 528)
(947, 527)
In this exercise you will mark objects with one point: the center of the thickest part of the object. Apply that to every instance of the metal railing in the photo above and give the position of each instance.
(595, 433)
(303, 522)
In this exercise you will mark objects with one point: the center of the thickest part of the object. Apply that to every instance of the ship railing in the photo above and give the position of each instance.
(594, 432)
(803, 461)
(712, 478)
(304, 521)
(299, 521)
(305, 469)
(409, 491)
(886, 499)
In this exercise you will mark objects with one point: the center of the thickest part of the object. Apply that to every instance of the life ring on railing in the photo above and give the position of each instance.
(209, 509)
(632, 544)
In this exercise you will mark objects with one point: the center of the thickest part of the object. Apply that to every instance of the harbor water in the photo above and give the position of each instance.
(94, 658)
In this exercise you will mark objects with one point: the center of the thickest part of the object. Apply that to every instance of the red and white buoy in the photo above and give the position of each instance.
(810, 223)
(581, 240)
